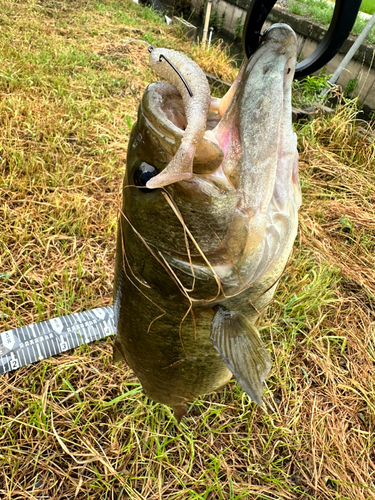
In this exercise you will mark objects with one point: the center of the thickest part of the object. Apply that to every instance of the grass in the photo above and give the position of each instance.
(368, 6)
(322, 11)
(307, 92)
(75, 426)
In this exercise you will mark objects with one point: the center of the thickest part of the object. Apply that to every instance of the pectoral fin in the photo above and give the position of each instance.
(239, 344)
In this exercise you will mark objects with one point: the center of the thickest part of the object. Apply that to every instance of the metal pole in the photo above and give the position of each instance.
(206, 21)
(350, 54)
(209, 38)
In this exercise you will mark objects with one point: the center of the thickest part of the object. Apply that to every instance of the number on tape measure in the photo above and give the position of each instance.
(27, 344)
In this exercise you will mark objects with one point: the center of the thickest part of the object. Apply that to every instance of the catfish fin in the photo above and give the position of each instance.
(239, 344)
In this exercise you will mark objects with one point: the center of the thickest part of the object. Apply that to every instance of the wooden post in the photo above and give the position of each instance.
(206, 22)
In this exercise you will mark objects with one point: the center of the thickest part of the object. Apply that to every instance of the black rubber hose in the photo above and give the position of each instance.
(343, 19)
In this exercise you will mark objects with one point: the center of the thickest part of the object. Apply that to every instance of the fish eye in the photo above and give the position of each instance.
(142, 174)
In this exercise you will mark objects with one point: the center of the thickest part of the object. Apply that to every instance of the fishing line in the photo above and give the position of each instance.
(28, 344)
(151, 48)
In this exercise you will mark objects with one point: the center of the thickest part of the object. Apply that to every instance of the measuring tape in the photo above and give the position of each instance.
(28, 344)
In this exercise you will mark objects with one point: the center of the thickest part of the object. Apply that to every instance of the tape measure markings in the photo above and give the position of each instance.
(21, 353)
(37, 337)
(71, 339)
(40, 357)
(27, 344)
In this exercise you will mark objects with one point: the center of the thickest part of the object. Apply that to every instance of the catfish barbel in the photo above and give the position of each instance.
(198, 260)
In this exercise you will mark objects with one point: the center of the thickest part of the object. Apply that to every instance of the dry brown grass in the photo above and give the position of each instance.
(75, 426)
(337, 353)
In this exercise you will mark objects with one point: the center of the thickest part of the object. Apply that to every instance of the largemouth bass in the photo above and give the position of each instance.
(198, 260)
